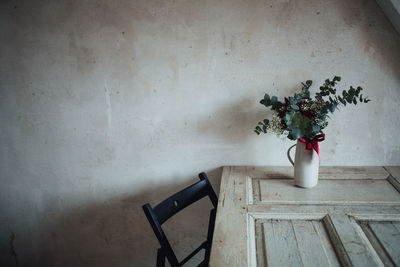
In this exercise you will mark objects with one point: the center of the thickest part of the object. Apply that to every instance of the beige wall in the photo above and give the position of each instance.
(105, 105)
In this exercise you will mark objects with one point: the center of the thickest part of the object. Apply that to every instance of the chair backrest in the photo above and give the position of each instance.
(172, 205)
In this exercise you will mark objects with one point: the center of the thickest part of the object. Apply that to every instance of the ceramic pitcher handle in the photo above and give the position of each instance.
(288, 154)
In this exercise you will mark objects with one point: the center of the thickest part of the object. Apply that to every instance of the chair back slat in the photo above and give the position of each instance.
(165, 245)
(210, 190)
(172, 205)
(180, 200)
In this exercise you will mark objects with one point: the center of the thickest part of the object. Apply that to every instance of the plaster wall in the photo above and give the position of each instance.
(392, 10)
(106, 105)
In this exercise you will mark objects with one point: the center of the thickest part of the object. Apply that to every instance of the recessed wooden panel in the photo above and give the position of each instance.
(325, 172)
(294, 243)
(385, 238)
(326, 192)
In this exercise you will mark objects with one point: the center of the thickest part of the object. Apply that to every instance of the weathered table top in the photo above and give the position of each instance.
(352, 217)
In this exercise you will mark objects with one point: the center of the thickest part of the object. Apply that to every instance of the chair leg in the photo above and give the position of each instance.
(210, 234)
(160, 258)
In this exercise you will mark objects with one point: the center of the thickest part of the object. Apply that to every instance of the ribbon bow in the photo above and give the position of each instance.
(313, 143)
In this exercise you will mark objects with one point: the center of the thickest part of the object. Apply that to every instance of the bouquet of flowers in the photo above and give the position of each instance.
(304, 118)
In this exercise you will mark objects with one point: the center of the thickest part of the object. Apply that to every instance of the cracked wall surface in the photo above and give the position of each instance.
(107, 105)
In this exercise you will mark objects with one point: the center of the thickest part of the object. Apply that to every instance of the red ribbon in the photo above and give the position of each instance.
(313, 143)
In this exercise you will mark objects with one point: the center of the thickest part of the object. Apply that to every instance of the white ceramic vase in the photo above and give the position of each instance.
(306, 165)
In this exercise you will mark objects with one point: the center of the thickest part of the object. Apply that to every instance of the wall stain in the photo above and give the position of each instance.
(174, 66)
(368, 49)
(84, 55)
(12, 249)
(223, 38)
(231, 44)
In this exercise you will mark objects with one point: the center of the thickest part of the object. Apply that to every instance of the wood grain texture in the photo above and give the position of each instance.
(281, 244)
(394, 171)
(394, 177)
(261, 255)
(359, 252)
(376, 244)
(329, 192)
(320, 229)
(325, 172)
(229, 242)
(263, 219)
(312, 212)
(294, 242)
(388, 235)
(313, 250)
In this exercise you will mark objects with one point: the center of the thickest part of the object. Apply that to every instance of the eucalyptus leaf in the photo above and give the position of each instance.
(316, 128)
(352, 91)
(296, 133)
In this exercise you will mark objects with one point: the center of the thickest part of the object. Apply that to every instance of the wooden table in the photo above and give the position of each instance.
(351, 218)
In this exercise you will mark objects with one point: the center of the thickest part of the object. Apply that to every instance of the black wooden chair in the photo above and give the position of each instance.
(172, 205)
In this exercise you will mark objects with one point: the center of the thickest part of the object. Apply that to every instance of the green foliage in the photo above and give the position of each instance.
(262, 126)
(301, 116)
(300, 125)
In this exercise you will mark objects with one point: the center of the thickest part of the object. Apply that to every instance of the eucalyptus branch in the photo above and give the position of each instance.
(301, 116)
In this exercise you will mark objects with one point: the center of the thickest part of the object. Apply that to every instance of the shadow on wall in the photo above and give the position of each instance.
(233, 124)
(117, 233)
(378, 39)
